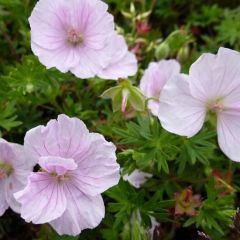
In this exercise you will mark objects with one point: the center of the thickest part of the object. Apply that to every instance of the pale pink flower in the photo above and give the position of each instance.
(76, 167)
(213, 85)
(137, 178)
(122, 64)
(154, 78)
(72, 35)
(15, 168)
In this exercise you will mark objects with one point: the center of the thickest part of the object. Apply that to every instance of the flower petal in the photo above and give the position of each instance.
(92, 62)
(82, 212)
(3, 202)
(63, 138)
(179, 112)
(155, 77)
(57, 164)
(6, 153)
(43, 199)
(123, 63)
(98, 169)
(14, 183)
(214, 76)
(137, 178)
(228, 129)
(23, 160)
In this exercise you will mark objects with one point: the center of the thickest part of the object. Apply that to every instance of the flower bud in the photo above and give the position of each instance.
(183, 54)
(162, 51)
(124, 95)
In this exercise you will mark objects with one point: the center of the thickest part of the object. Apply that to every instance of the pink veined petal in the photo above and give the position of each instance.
(43, 199)
(215, 76)
(202, 77)
(127, 66)
(82, 71)
(23, 159)
(63, 138)
(154, 79)
(228, 129)
(72, 135)
(92, 62)
(98, 169)
(229, 60)
(66, 138)
(42, 141)
(100, 22)
(63, 58)
(34, 143)
(179, 112)
(14, 183)
(6, 153)
(95, 39)
(3, 203)
(50, 138)
(153, 105)
(151, 83)
(156, 76)
(82, 212)
(137, 178)
(123, 63)
(57, 165)
(15, 156)
(49, 21)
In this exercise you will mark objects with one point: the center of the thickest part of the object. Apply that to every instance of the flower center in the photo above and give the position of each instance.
(60, 178)
(74, 37)
(216, 105)
(5, 170)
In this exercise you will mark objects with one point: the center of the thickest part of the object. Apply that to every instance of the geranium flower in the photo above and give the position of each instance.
(14, 171)
(72, 35)
(213, 85)
(122, 64)
(137, 178)
(76, 167)
(154, 78)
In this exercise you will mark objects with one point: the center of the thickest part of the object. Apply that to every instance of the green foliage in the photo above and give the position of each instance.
(30, 78)
(137, 207)
(214, 207)
(228, 30)
(8, 117)
(199, 148)
(153, 144)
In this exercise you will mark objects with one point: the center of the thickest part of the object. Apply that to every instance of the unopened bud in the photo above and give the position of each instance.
(162, 51)
(183, 54)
